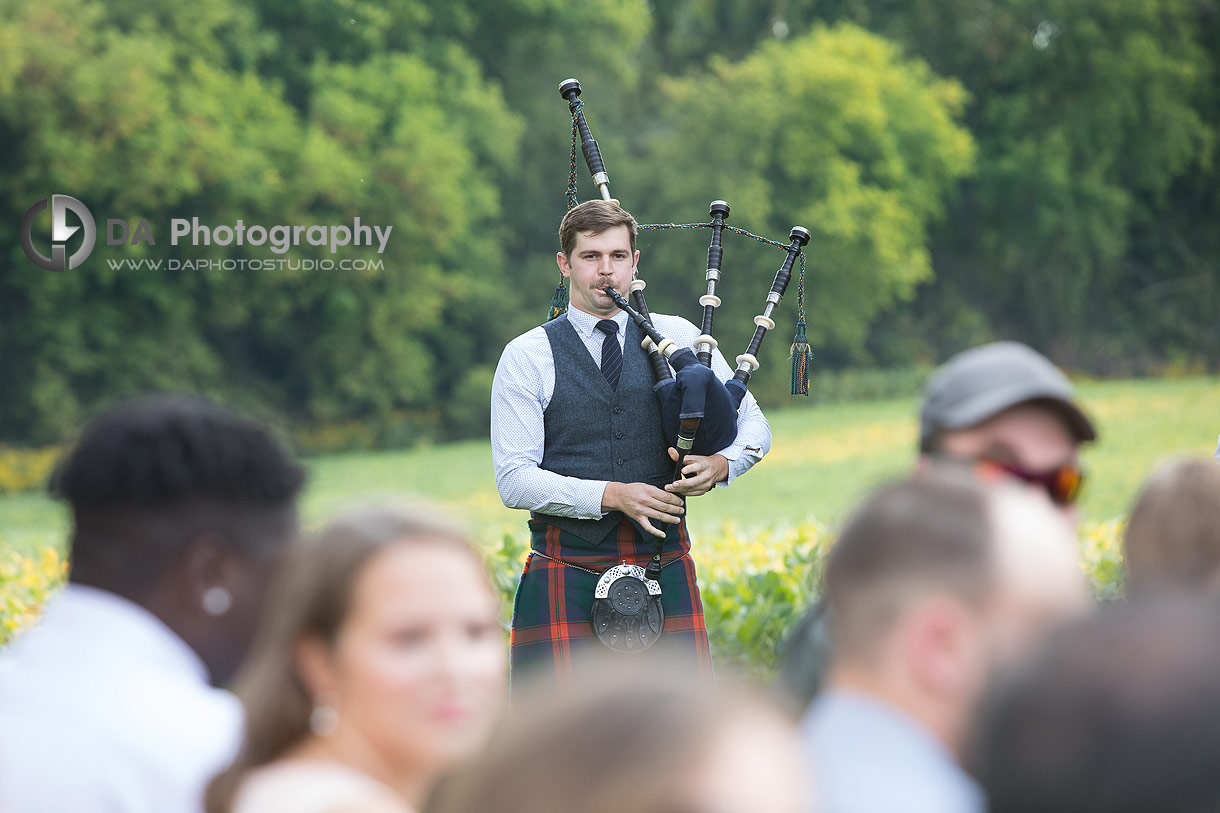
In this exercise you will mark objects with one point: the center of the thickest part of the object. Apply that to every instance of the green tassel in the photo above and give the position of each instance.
(801, 354)
(559, 302)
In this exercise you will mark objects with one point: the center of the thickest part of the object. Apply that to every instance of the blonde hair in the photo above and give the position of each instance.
(312, 596)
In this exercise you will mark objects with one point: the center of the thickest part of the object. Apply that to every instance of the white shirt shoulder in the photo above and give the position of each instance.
(103, 708)
(528, 342)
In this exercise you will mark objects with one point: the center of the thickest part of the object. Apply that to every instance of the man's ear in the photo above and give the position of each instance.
(565, 268)
(211, 572)
(943, 647)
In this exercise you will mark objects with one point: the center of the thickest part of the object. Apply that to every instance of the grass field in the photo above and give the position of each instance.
(823, 458)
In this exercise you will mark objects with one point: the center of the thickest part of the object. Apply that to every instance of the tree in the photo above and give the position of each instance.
(833, 130)
(117, 108)
(1096, 125)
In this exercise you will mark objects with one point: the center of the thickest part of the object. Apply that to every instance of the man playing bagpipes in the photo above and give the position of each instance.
(578, 439)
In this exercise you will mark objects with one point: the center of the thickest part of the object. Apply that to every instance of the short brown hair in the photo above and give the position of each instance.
(1173, 535)
(931, 532)
(593, 217)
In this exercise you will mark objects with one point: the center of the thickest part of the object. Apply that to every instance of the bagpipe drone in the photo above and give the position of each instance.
(698, 410)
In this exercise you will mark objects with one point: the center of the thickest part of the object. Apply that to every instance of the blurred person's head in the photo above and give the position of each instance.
(1117, 714)
(1007, 405)
(183, 507)
(939, 581)
(1172, 539)
(645, 737)
(381, 650)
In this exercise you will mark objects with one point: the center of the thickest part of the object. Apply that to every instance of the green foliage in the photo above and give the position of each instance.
(1097, 126)
(1069, 169)
(834, 130)
(758, 544)
(1089, 227)
(826, 453)
(1039, 170)
(838, 386)
(117, 106)
(26, 469)
(754, 586)
(26, 582)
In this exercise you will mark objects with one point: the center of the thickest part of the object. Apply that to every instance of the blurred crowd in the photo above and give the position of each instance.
(206, 655)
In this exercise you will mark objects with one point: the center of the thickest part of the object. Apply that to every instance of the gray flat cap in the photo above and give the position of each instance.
(983, 381)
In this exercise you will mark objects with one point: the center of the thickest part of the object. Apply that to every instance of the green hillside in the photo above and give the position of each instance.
(823, 458)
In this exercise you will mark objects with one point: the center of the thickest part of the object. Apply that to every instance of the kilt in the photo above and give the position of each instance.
(552, 610)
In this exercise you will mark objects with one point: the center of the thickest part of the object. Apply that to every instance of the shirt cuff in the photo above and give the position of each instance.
(587, 498)
(739, 461)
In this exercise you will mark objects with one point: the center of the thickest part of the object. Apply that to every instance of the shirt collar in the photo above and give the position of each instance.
(586, 323)
(109, 614)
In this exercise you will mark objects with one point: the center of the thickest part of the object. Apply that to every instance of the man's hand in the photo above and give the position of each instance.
(640, 502)
(700, 474)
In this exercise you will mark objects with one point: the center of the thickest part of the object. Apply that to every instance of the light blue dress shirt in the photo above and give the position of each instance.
(868, 757)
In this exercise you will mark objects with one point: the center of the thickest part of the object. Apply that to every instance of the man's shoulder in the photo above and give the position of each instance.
(529, 342)
(536, 332)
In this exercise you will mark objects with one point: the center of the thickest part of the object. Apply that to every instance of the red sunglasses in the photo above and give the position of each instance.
(1062, 485)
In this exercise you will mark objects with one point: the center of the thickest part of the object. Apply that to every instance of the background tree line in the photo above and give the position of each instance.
(1037, 169)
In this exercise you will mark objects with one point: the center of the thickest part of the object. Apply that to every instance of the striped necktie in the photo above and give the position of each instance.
(612, 354)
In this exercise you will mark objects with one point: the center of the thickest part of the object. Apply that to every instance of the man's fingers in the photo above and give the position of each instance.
(693, 486)
(647, 503)
(666, 497)
(664, 513)
(673, 454)
(648, 526)
(680, 486)
(692, 474)
(672, 505)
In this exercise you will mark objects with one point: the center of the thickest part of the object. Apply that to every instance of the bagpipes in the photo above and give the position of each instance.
(698, 430)
(697, 408)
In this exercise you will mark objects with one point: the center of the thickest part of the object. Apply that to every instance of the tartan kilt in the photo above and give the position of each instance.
(552, 611)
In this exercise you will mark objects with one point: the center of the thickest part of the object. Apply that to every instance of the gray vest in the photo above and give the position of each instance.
(596, 433)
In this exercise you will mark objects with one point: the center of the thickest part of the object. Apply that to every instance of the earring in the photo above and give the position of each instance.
(217, 601)
(323, 720)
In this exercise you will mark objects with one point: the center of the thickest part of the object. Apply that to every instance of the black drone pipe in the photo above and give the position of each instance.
(704, 344)
(747, 362)
(570, 90)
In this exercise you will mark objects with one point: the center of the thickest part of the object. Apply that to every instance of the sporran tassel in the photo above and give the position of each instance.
(801, 355)
(559, 302)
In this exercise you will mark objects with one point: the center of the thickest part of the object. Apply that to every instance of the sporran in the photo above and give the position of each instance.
(627, 612)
